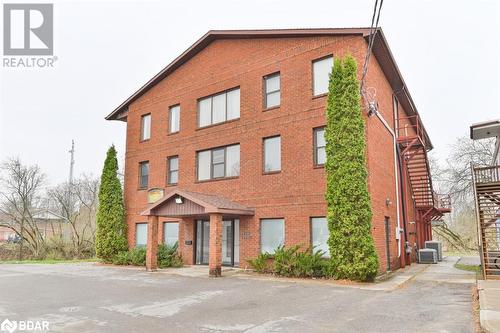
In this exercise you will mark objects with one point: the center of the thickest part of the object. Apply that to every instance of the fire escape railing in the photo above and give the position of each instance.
(486, 182)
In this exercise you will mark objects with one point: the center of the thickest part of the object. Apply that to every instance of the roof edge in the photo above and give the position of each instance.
(210, 36)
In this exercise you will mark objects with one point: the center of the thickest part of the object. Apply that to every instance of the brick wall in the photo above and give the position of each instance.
(297, 192)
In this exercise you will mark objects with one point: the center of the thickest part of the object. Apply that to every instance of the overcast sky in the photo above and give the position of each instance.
(447, 52)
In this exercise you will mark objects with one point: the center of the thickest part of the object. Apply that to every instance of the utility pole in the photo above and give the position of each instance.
(72, 163)
(70, 180)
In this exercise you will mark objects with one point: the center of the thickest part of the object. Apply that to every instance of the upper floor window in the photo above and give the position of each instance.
(143, 174)
(219, 162)
(173, 170)
(174, 114)
(272, 154)
(272, 93)
(219, 108)
(321, 75)
(146, 127)
(319, 146)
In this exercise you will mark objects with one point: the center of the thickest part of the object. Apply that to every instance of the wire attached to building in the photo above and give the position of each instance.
(373, 31)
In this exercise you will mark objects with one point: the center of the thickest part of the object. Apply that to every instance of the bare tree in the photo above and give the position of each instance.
(20, 200)
(455, 178)
(76, 203)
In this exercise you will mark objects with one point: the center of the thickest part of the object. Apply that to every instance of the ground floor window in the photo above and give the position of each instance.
(272, 234)
(319, 235)
(141, 234)
(170, 233)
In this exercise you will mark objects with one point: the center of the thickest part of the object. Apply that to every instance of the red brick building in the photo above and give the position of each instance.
(227, 141)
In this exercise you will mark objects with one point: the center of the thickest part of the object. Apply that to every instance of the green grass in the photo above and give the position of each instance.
(470, 268)
(47, 261)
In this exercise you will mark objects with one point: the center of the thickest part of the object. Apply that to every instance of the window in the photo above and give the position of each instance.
(174, 119)
(146, 127)
(272, 234)
(141, 234)
(143, 174)
(321, 75)
(173, 170)
(219, 162)
(170, 233)
(319, 235)
(272, 90)
(272, 154)
(219, 108)
(319, 146)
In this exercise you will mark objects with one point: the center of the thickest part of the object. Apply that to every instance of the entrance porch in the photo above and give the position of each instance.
(216, 220)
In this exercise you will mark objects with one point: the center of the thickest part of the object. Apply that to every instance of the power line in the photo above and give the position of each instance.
(377, 8)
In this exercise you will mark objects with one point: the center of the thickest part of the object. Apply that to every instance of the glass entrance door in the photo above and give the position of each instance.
(202, 242)
(230, 242)
(227, 243)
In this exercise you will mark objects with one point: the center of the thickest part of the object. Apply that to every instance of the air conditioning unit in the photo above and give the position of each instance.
(438, 246)
(427, 256)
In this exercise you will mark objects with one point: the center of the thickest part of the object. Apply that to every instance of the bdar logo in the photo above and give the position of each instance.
(28, 29)
(8, 326)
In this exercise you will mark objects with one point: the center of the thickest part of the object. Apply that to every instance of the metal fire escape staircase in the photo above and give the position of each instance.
(486, 182)
(413, 153)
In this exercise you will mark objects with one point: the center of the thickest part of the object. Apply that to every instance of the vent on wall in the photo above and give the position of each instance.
(436, 246)
(427, 256)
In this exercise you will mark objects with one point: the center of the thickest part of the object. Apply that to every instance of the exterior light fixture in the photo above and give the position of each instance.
(179, 201)
(388, 202)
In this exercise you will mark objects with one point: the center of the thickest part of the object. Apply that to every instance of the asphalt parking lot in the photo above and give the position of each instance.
(86, 297)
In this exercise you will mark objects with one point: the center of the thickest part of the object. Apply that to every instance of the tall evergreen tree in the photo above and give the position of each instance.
(111, 229)
(352, 250)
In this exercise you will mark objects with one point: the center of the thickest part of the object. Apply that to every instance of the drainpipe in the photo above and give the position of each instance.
(396, 174)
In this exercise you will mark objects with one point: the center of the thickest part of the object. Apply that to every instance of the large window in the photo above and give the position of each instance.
(141, 234)
(219, 108)
(319, 235)
(146, 127)
(143, 174)
(170, 233)
(272, 234)
(173, 170)
(319, 146)
(321, 75)
(272, 154)
(272, 90)
(174, 114)
(219, 162)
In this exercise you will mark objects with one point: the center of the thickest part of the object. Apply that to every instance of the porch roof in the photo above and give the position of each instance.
(194, 204)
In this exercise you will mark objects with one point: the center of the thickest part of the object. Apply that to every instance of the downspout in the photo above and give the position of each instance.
(396, 173)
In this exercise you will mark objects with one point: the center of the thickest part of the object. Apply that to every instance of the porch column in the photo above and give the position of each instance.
(215, 254)
(152, 245)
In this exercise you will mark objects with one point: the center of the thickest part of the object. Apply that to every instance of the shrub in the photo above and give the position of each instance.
(292, 262)
(352, 250)
(310, 264)
(285, 260)
(261, 264)
(168, 256)
(122, 258)
(111, 229)
(138, 256)
(296, 263)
